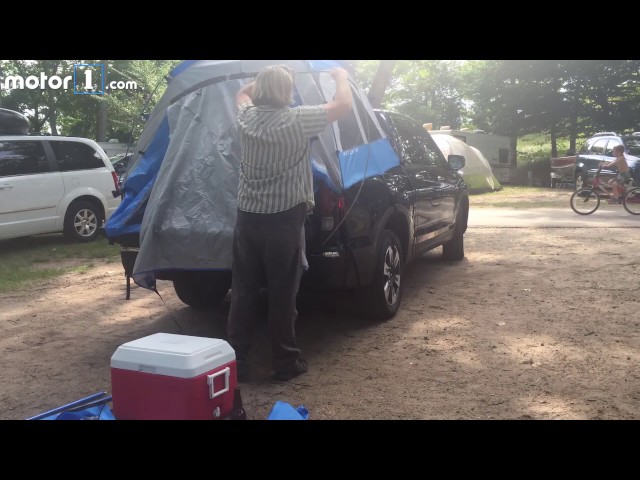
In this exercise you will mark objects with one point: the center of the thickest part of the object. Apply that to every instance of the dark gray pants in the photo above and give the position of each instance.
(267, 252)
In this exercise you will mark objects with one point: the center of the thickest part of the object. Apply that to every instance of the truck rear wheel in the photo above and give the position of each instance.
(202, 289)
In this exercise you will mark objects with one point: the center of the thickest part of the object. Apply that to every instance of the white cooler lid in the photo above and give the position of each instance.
(180, 356)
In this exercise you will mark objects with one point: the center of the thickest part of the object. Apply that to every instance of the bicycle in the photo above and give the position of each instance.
(586, 200)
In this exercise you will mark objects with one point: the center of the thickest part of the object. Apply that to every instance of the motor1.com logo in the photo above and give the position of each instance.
(87, 78)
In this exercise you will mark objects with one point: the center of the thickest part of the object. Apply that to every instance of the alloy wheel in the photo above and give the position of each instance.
(85, 222)
(391, 274)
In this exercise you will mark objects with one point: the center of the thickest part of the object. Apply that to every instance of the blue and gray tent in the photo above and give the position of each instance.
(179, 193)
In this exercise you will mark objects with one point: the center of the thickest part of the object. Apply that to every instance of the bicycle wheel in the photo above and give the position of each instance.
(584, 201)
(631, 201)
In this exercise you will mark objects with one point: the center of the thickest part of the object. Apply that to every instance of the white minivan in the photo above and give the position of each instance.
(54, 184)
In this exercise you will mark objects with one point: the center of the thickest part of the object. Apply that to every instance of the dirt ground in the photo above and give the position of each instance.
(534, 323)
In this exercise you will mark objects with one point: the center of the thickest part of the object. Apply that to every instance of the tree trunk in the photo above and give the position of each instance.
(381, 82)
(36, 125)
(573, 129)
(53, 121)
(101, 134)
(514, 150)
(52, 108)
(554, 143)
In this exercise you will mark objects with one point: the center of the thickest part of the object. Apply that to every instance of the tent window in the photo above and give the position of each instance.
(308, 90)
(370, 129)
(350, 135)
(348, 130)
(323, 148)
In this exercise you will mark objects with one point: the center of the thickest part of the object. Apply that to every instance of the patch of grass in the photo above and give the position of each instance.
(13, 280)
(538, 145)
(521, 197)
(26, 260)
(509, 191)
(82, 269)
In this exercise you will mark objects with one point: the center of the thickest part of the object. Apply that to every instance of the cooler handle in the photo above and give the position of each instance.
(210, 378)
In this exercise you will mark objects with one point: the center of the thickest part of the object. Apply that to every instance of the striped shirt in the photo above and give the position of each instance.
(275, 170)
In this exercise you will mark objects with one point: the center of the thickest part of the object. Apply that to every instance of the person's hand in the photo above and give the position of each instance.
(339, 73)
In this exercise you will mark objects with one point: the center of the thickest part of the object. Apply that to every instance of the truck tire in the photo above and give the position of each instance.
(385, 292)
(82, 221)
(202, 289)
(454, 248)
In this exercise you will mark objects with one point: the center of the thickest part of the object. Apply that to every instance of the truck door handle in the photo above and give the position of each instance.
(5, 185)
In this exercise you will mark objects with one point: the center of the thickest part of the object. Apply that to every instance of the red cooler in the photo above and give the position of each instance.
(173, 377)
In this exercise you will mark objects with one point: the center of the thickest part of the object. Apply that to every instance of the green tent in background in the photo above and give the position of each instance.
(477, 171)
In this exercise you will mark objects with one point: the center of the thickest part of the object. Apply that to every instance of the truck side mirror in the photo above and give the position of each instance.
(456, 162)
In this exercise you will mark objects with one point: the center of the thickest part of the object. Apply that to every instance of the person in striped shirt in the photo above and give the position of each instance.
(274, 195)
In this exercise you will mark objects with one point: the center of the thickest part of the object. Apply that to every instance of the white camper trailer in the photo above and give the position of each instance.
(115, 147)
(495, 148)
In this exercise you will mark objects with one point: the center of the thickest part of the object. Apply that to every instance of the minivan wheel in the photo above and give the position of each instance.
(202, 289)
(82, 221)
(385, 293)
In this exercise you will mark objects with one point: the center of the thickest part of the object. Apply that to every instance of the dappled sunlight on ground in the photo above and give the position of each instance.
(532, 324)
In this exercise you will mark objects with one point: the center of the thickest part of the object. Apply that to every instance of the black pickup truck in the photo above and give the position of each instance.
(384, 192)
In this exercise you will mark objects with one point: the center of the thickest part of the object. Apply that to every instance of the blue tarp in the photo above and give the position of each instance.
(137, 188)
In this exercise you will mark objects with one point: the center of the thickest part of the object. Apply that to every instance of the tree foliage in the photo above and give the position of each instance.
(561, 98)
(427, 90)
(61, 112)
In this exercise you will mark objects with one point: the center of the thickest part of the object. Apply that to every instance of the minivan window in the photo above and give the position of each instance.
(22, 158)
(76, 156)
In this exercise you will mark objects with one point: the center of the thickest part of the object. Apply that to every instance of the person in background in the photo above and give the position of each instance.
(274, 195)
(623, 175)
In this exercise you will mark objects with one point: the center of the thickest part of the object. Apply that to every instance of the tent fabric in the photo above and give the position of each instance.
(365, 161)
(180, 190)
(194, 197)
(477, 172)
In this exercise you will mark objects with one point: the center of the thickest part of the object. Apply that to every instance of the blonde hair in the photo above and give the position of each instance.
(274, 87)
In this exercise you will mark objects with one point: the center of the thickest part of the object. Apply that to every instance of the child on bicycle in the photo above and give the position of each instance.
(623, 175)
